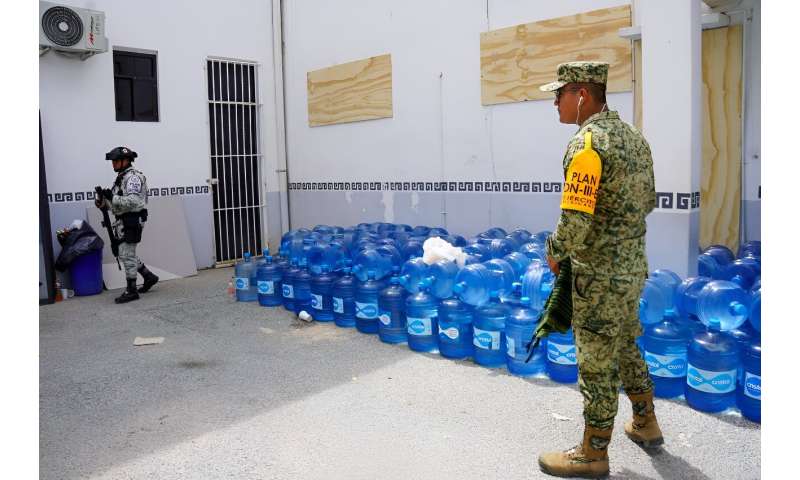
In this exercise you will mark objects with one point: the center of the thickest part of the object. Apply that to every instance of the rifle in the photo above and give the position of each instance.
(98, 191)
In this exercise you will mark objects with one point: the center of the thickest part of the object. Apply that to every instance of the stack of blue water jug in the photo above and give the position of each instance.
(700, 339)
(702, 335)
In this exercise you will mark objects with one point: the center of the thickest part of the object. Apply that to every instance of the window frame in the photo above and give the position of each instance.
(153, 80)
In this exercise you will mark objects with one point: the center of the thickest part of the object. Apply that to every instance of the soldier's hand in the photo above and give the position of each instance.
(98, 202)
(553, 265)
(107, 194)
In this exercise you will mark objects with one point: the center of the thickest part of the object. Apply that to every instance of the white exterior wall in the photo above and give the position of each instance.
(77, 101)
(440, 132)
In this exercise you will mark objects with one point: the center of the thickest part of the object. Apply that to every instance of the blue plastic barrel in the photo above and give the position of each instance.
(489, 336)
(562, 360)
(86, 273)
(455, 329)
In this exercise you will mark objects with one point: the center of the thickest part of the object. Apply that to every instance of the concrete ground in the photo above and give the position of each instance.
(241, 391)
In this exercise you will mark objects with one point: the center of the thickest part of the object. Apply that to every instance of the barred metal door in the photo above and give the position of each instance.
(233, 112)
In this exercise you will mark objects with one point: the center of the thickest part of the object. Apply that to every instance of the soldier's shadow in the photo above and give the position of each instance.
(671, 466)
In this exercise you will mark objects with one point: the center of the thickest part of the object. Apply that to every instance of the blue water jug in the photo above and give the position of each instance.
(519, 262)
(412, 273)
(742, 272)
(562, 359)
(520, 235)
(751, 249)
(322, 295)
(268, 282)
(302, 291)
(494, 232)
(743, 335)
(755, 309)
(537, 283)
(709, 267)
(721, 253)
(472, 284)
(534, 251)
(437, 232)
(392, 313)
(686, 295)
(479, 250)
(748, 395)
(442, 276)
(325, 256)
(652, 303)
(457, 240)
(371, 263)
(669, 282)
(343, 299)
(455, 329)
(420, 231)
(713, 363)
(502, 277)
(488, 334)
(500, 247)
(367, 304)
(246, 283)
(541, 237)
(722, 305)
(412, 249)
(520, 324)
(665, 350)
(393, 254)
(422, 312)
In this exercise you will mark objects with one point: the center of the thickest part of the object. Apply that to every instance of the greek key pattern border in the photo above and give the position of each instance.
(505, 187)
(664, 200)
(83, 196)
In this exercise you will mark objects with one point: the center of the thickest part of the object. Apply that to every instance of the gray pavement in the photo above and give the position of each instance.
(242, 391)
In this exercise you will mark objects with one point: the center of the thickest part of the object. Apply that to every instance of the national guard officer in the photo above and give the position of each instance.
(609, 189)
(127, 200)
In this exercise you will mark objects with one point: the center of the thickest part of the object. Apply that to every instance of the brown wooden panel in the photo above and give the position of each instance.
(720, 190)
(350, 92)
(515, 61)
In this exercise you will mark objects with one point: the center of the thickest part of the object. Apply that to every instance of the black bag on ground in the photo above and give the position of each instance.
(78, 241)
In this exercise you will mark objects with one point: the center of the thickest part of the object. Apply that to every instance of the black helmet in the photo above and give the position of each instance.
(121, 153)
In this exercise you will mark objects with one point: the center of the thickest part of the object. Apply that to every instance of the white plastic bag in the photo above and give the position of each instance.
(436, 248)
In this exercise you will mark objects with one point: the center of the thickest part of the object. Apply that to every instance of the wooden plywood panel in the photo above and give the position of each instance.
(350, 92)
(720, 191)
(637, 84)
(515, 61)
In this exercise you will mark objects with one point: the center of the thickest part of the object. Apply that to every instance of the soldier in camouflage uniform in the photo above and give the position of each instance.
(127, 200)
(602, 231)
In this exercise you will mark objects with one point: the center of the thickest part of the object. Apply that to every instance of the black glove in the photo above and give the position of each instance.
(107, 194)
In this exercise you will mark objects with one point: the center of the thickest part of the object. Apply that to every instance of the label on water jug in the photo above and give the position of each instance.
(419, 326)
(510, 346)
(561, 354)
(752, 385)
(488, 340)
(242, 283)
(451, 333)
(366, 310)
(338, 305)
(266, 287)
(666, 366)
(316, 301)
(288, 291)
(711, 382)
(385, 317)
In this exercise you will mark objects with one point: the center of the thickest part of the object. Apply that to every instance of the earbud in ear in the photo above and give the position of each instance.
(580, 100)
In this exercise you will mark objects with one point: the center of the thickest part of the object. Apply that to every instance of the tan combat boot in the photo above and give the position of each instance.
(643, 429)
(587, 460)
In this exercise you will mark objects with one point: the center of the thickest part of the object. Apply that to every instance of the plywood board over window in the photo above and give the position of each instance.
(351, 92)
(721, 187)
(515, 61)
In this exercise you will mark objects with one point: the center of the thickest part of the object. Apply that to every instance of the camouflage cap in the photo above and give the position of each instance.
(583, 72)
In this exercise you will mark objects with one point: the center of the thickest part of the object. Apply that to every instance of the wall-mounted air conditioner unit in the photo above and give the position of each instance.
(68, 29)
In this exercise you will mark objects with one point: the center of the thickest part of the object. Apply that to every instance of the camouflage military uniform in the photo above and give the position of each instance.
(130, 195)
(609, 265)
